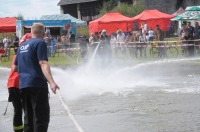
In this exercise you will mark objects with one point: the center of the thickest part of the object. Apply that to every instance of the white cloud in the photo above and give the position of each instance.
(30, 9)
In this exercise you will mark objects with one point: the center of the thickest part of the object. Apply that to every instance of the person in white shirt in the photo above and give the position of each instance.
(91, 38)
(142, 42)
(113, 42)
(6, 42)
(144, 28)
(121, 40)
(151, 34)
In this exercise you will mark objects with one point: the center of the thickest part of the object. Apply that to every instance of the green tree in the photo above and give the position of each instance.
(128, 9)
(20, 17)
(109, 5)
(83, 30)
(124, 8)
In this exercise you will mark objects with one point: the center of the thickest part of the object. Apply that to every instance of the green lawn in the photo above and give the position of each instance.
(63, 60)
(60, 59)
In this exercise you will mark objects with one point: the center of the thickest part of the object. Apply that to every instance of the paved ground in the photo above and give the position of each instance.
(59, 120)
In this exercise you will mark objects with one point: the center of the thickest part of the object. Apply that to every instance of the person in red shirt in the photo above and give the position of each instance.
(14, 93)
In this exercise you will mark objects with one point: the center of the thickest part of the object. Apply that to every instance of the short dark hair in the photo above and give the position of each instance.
(183, 24)
(96, 33)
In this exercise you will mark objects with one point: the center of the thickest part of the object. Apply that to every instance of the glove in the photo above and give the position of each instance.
(10, 97)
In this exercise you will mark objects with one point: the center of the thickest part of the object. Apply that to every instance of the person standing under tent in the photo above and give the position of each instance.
(58, 38)
(185, 38)
(47, 39)
(53, 45)
(94, 41)
(121, 40)
(64, 39)
(83, 46)
(113, 42)
(144, 28)
(64, 42)
(15, 42)
(48, 30)
(34, 73)
(71, 37)
(72, 40)
(128, 40)
(91, 38)
(197, 37)
(6, 42)
(160, 37)
(106, 52)
(139, 47)
(151, 34)
(190, 30)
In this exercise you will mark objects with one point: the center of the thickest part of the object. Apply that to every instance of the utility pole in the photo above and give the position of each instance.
(104, 3)
(134, 2)
(118, 2)
(78, 11)
(61, 10)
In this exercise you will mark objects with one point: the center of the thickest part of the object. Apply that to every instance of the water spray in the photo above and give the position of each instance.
(92, 59)
(69, 113)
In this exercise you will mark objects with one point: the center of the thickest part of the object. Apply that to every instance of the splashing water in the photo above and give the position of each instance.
(115, 80)
(92, 59)
(123, 79)
(144, 93)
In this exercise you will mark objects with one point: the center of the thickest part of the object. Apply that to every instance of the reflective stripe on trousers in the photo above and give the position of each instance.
(18, 127)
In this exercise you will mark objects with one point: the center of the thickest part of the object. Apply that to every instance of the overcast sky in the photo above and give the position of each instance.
(29, 9)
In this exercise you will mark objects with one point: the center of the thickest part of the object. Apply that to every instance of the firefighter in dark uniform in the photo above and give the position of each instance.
(14, 93)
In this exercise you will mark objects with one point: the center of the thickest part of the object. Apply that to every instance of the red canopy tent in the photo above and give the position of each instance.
(110, 22)
(8, 24)
(153, 18)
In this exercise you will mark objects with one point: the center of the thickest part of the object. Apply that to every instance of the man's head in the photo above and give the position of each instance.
(183, 26)
(38, 30)
(188, 24)
(196, 24)
(96, 34)
(119, 31)
(103, 32)
(92, 34)
(157, 27)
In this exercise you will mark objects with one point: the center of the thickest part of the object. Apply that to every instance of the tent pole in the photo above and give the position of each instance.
(126, 26)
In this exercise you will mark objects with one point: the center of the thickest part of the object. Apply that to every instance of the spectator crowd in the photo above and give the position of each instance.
(134, 42)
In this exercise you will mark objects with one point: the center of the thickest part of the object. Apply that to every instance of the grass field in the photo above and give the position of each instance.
(63, 60)
(59, 60)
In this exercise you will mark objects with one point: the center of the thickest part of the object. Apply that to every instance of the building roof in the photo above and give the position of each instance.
(64, 17)
(68, 2)
(179, 12)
